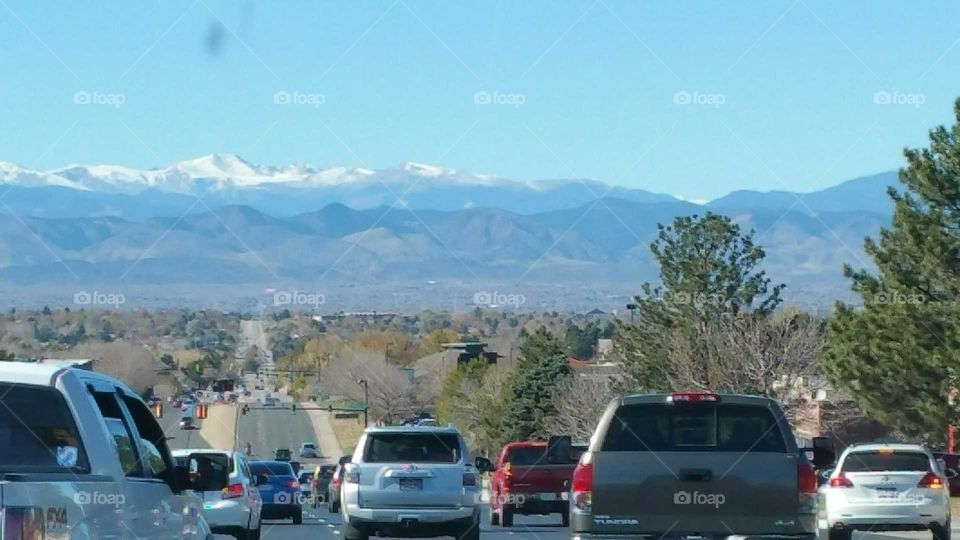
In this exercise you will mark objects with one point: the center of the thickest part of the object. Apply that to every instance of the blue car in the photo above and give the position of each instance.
(280, 492)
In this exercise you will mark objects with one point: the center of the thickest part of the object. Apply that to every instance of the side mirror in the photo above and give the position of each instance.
(824, 452)
(559, 449)
(482, 464)
(182, 479)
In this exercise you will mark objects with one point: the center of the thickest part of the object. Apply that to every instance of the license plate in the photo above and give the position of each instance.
(887, 493)
(411, 484)
(548, 496)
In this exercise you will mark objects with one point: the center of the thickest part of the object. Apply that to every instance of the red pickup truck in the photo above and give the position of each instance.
(523, 481)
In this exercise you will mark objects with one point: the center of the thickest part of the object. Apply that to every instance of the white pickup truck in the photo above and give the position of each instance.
(81, 456)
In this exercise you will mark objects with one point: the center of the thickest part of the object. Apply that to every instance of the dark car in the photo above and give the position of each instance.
(281, 491)
(951, 468)
(282, 454)
(187, 423)
(333, 485)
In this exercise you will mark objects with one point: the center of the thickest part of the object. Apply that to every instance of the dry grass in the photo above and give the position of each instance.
(348, 431)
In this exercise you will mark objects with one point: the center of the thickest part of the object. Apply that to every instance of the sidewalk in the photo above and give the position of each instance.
(326, 439)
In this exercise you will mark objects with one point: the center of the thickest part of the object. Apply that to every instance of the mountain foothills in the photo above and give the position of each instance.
(219, 220)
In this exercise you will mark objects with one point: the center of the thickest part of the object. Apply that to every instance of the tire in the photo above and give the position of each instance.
(254, 534)
(349, 532)
(298, 516)
(470, 533)
(333, 506)
(506, 515)
(565, 517)
(839, 534)
(941, 532)
(494, 517)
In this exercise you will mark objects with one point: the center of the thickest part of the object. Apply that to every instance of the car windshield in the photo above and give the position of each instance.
(885, 461)
(36, 438)
(412, 448)
(698, 427)
(271, 468)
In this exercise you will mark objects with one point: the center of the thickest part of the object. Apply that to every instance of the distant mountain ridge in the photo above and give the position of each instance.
(220, 180)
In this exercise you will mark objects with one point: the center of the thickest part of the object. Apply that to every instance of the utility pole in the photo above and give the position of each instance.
(366, 401)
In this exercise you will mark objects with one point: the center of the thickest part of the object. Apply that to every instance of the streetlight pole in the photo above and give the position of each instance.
(366, 401)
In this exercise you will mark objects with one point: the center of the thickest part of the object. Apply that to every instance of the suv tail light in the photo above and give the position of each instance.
(582, 487)
(693, 397)
(806, 478)
(23, 523)
(841, 481)
(930, 480)
(293, 484)
(233, 491)
(469, 479)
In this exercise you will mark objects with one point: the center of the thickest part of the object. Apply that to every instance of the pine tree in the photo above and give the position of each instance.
(897, 354)
(541, 367)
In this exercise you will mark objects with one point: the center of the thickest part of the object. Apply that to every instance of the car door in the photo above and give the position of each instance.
(253, 494)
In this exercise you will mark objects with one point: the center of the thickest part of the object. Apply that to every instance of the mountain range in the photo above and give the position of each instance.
(221, 223)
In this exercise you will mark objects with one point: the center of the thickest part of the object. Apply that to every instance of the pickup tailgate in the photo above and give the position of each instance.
(696, 468)
(694, 493)
(539, 478)
(54, 506)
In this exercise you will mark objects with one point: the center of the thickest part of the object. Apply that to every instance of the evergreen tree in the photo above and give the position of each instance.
(897, 354)
(541, 368)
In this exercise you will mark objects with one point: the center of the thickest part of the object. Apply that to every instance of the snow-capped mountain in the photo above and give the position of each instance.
(94, 190)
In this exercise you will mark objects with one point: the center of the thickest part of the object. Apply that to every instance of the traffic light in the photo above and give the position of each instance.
(293, 407)
(201, 411)
(158, 410)
(245, 409)
(330, 408)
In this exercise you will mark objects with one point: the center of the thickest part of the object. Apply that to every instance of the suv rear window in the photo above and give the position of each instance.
(412, 448)
(37, 431)
(697, 427)
(877, 461)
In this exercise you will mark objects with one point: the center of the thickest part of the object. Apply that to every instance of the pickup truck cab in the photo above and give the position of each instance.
(82, 457)
(410, 482)
(693, 464)
(524, 481)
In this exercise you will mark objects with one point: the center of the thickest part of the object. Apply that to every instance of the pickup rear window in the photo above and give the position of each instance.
(526, 456)
(697, 427)
(37, 431)
(412, 448)
(876, 461)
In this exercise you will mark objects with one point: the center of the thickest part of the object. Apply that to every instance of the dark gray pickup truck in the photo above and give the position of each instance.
(693, 464)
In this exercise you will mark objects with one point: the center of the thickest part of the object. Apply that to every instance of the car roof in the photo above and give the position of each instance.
(188, 451)
(739, 399)
(413, 429)
(270, 462)
(873, 447)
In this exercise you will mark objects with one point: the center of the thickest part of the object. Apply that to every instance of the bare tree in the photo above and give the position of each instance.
(132, 363)
(391, 389)
(579, 402)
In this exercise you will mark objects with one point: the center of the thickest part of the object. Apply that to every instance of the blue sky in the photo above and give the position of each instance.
(689, 98)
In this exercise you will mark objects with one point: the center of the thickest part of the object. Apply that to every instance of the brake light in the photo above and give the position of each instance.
(841, 481)
(930, 480)
(23, 524)
(233, 491)
(469, 479)
(506, 470)
(293, 484)
(582, 487)
(693, 397)
(806, 478)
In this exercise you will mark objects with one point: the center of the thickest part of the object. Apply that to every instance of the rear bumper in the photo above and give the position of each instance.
(229, 513)
(413, 525)
(272, 511)
(582, 527)
(877, 516)
(652, 536)
(384, 516)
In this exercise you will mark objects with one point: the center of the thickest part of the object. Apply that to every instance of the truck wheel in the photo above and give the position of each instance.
(470, 533)
(506, 515)
(941, 532)
(349, 532)
(298, 516)
(840, 534)
(494, 517)
(565, 517)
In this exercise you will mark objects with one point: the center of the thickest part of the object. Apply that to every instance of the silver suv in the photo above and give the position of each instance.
(411, 482)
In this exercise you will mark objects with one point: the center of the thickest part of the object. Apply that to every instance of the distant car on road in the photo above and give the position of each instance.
(410, 481)
(282, 454)
(886, 487)
(187, 423)
(308, 450)
(694, 464)
(333, 486)
(280, 492)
